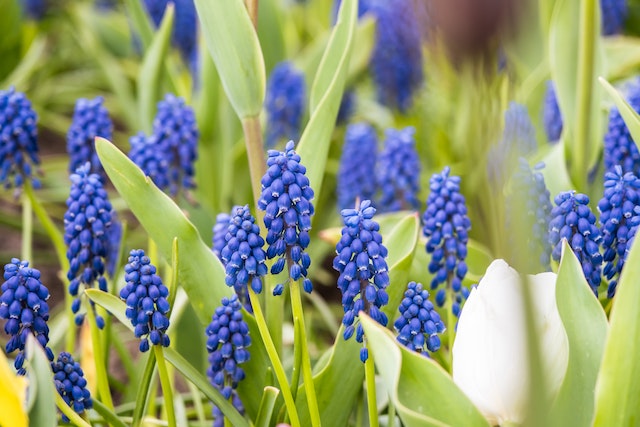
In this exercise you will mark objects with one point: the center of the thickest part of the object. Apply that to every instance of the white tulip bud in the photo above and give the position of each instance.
(490, 352)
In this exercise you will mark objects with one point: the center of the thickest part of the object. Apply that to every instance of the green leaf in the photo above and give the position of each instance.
(586, 326)
(622, 55)
(141, 21)
(42, 412)
(343, 370)
(618, 386)
(269, 397)
(235, 49)
(200, 272)
(422, 392)
(575, 59)
(630, 116)
(326, 95)
(117, 308)
(149, 77)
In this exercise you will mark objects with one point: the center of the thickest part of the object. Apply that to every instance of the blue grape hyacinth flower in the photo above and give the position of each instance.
(90, 119)
(551, 115)
(218, 241)
(286, 202)
(242, 255)
(529, 196)
(419, 323)
(227, 342)
(614, 13)
(619, 210)
(361, 262)
(398, 171)
(150, 157)
(619, 147)
(185, 25)
(86, 234)
(446, 227)
(572, 219)
(18, 139)
(71, 384)
(146, 298)
(176, 133)
(23, 304)
(359, 152)
(284, 103)
(396, 60)
(34, 9)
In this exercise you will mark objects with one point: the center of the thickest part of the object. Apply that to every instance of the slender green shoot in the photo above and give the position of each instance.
(143, 390)
(370, 378)
(300, 341)
(69, 412)
(275, 360)
(27, 228)
(167, 391)
(98, 354)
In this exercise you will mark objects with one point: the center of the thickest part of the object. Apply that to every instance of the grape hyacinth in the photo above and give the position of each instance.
(86, 234)
(419, 323)
(396, 60)
(177, 135)
(71, 384)
(242, 255)
(18, 139)
(149, 156)
(90, 119)
(361, 262)
(446, 227)
(286, 201)
(619, 147)
(614, 13)
(552, 117)
(218, 241)
(23, 304)
(185, 25)
(529, 196)
(227, 342)
(284, 103)
(359, 152)
(572, 219)
(619, 210)
(34, 9)
(146, 298)
(398, 171)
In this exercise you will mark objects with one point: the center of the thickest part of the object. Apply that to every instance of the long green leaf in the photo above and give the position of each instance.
(422, 392)
(629, 115)
(43, 410)
(117, 308)
(141, 21)
(200, 272)
(575, 59)
(235, 49)
(618, 386)
(149, 77)
(586, 327)
(343, 370)
(326, 95)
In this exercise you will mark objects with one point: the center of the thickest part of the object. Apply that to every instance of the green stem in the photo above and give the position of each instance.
(70, 413)
(300, 340)
(586, 65)
(101, 369)
(197, 402)
(297, 359)
(27, 229)
(370, 377)
(255, 154)
(143, 390)
(108, 415)
(451, 318)
(275, 360)
(166, 385)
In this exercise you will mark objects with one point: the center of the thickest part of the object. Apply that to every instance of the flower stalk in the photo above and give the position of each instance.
(165, 381)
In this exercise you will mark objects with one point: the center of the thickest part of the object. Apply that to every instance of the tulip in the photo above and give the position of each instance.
(490, 351)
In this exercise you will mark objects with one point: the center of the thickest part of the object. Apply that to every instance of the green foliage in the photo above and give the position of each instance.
(422, 392)
(586, 326)
(629, 115)
(235, 49)
(42, 392)
(618, 388)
